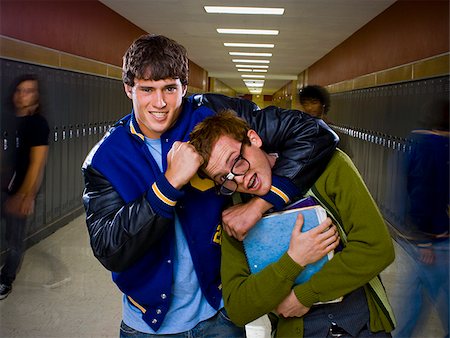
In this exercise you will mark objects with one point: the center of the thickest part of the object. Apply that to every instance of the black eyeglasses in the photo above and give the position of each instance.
(239, 168)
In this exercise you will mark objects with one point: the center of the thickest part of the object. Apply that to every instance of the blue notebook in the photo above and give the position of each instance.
(269, 239)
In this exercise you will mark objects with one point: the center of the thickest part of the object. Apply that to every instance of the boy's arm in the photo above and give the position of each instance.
(120, 233)
(368, 249)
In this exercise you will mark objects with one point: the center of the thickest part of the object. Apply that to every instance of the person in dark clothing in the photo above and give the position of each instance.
(31, 151)
(315, 101)
(425, 233)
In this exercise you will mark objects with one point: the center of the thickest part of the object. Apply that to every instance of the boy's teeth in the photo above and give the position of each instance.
(252, 181)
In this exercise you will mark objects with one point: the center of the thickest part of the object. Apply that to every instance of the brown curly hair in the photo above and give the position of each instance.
(206, 133)
(155, 57)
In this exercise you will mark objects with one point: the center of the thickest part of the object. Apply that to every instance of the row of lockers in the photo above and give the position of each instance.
(392, 110)
(79, 109)
(374, 125)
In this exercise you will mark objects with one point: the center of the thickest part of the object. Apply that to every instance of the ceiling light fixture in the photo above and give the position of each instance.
(252, 66)
(247, 31)
(250, 54)
(250, 61)
(260, 85)
(251, 45)
(259, 70)
(253, 81)
(254, 76)
(243, 10)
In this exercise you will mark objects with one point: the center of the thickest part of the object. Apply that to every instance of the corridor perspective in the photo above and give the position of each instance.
(371, 77)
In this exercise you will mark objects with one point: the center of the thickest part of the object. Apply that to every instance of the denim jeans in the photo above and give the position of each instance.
(423, 280)
(218, 326)
(15, 234)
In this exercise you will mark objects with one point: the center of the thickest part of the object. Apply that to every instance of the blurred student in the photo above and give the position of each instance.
(31, 151)
(425, 234)
(315, 101)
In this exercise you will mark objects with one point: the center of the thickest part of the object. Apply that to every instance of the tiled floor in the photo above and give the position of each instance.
(62, 291)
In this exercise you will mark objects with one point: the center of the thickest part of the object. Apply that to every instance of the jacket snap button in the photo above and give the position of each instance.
(163, 296)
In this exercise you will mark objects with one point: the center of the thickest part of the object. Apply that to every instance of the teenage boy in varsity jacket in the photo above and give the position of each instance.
(151, 220)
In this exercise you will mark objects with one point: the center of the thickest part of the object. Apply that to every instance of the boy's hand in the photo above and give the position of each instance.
(310, 246)
(239, 219)
(183, 161)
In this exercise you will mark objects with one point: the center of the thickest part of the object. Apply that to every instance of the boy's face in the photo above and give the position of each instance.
(313, 107)
(257, 180)
(156, 104)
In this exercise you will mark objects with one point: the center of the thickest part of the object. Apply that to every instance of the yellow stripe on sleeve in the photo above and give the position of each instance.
(281, 194)
(161, 196)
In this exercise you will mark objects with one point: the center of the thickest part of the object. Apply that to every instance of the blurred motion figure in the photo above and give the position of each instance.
(425, 234)
(315, 101)
(31, 131)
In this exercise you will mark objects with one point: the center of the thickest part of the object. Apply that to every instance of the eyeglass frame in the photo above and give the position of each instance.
(220, 188)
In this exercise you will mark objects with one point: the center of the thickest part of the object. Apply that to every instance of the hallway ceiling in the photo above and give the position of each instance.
(308, 30)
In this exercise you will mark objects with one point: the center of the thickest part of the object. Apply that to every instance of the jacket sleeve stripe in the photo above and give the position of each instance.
(162, 197)
(280, 194)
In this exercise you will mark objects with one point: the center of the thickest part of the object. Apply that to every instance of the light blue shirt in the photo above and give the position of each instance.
(189, 306)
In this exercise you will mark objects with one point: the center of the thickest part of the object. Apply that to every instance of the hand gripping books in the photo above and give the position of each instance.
(269, 239)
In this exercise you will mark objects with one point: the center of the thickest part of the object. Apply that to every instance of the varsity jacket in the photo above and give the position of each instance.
(130, 205)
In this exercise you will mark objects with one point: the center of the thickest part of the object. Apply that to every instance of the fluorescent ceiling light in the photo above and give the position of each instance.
(252, 66)
(250, 61)
(253, 81)
(249, 81)
(252, 45)
(243, 10)
(254, 76)
(255, 85)
(247, 31)
(250, 54)
(252, 70)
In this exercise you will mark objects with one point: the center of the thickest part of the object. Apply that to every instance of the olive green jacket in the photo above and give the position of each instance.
(368, 251)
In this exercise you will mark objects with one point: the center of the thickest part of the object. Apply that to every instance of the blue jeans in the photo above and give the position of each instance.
(423, 280)
(15, 243)
(219, 326)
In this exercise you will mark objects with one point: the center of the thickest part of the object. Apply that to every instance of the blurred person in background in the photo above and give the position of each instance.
(425, 233)
(316, 102)
(30, 157)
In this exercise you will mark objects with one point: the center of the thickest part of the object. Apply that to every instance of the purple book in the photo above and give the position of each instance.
(302, 203)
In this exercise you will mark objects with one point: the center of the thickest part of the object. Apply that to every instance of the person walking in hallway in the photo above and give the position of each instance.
(31, 152)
